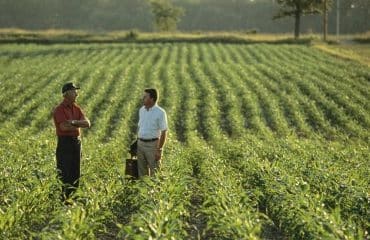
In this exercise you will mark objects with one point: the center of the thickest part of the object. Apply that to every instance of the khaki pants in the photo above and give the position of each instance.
(146, 162)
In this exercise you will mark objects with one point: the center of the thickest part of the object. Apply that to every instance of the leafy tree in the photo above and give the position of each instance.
(298, 8)
(166, 14)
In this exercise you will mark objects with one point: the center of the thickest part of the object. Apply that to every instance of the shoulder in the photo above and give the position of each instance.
(76, 106)
(58, 108)
(159, 110)
(58, 113)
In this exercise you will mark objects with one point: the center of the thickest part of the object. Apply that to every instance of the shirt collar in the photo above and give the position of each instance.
(66, 103)
(151, 108)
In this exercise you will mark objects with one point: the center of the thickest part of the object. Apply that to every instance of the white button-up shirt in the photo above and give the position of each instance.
(151, 122)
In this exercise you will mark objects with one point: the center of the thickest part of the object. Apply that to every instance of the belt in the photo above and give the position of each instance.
(148, 140)
(69, 138)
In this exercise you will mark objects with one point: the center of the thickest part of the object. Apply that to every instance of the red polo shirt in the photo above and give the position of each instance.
(64, 112)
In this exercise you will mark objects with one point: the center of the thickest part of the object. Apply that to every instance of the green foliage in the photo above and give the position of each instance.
(132, 35)
(166, 14)
(302, 7)
(298, 8)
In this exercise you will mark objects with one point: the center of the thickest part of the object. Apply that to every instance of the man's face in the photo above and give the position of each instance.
(71, 95)
(147, 100)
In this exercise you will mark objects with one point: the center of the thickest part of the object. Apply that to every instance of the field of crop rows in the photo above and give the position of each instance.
(265, 142)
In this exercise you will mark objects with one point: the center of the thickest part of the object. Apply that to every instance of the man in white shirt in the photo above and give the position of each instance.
(152, 134)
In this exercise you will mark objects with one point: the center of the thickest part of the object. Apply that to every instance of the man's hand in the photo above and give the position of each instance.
(162, 141)
(74, 123)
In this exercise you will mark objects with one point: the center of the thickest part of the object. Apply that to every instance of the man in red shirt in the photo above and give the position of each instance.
(68, 119)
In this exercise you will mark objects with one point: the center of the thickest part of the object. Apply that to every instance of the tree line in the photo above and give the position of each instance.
(186, 15)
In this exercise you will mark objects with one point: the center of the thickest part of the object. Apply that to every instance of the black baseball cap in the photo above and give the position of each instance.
(69, 86)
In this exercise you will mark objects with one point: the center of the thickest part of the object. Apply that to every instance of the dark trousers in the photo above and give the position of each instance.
(68, 156)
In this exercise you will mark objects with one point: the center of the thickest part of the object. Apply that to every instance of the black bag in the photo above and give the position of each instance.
(131, 163)
(133, 148)
(131, 168)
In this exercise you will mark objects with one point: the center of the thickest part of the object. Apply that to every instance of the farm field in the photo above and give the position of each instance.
(266, 141)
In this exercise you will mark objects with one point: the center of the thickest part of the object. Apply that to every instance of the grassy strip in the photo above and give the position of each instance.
(358, 53)
(68, 36)
(362, 38)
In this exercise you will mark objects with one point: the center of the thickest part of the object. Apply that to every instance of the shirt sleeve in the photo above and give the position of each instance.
(139, 122)
(81, 113)
(163, 122)
(59, 116)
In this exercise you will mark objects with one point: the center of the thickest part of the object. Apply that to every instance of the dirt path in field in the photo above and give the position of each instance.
(197, 220)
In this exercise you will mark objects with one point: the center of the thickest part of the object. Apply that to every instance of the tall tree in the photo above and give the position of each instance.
(166, 14)
(325, 18)
(298, 8)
